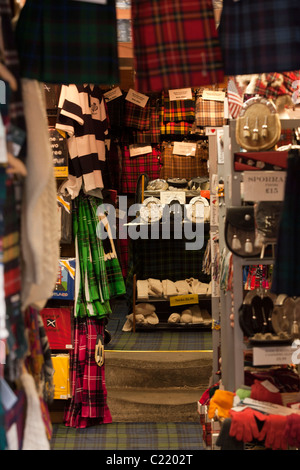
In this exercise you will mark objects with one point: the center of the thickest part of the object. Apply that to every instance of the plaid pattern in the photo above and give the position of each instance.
(152, 135)
(88, 405)
(133, 166)
(182, 166)
(272, 85)
(209, 113)
(68, 42)
(116, 112)
(175, 44)
(92, 298)
(178, 110)
(136, 116)
(286, 273)
(128, 436)
(260, 37)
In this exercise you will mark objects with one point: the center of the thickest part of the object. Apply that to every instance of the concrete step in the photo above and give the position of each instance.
(157, 369)
(167, 405)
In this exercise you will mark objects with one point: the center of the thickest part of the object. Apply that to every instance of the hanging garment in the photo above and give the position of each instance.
(286, 273)
(88, 404)
(178, 110)
(91, 282)
(40, 223)
(183, 166)
(209, 113)
(151, 136)
(68, 42)
(132, 167)
(137, 116)
(260, 37)
(175, 44)
(82, 115)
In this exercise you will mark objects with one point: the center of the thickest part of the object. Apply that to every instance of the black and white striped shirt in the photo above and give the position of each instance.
(82, 115)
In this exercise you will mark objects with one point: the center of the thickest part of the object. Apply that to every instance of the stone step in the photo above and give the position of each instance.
(157, 369)
(160, 405)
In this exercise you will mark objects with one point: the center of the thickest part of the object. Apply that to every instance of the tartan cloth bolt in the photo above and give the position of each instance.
(176, 44)
(68, 42)
(260, 37)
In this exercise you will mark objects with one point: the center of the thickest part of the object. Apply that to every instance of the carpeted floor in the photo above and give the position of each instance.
(153, 340)
(129, 436)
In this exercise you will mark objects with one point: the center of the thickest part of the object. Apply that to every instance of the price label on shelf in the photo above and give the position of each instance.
(183, 299)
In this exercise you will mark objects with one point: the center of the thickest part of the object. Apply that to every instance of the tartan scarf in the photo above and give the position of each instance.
(175, 44)
(68, 42)
(88, 404)
(92, 294)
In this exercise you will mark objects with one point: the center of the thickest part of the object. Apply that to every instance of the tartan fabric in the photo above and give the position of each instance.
(209, 113)
(152, 135)
(272, 85)
(88, 404)
(123, 436)
(132, 167)
(287, 137)
(116, 112)
(175, 44)
(136, 116)
(175, 128)
(68, 42)
(260, 37)
(286, 273)
(182, 166)
(92, 297)
(178, 110)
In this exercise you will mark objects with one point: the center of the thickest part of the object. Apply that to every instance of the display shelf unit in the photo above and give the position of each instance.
(232, 339)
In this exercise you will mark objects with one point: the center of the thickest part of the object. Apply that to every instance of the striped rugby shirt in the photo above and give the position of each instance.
(82, 115)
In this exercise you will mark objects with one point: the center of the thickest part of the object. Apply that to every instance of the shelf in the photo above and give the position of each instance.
(174, 326)
(202, 297)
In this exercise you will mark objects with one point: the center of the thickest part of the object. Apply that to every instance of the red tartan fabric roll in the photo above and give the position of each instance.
(132, 167)
(176, 44)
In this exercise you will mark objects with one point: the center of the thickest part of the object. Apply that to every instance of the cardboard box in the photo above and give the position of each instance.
(65, 284)
(58, 327)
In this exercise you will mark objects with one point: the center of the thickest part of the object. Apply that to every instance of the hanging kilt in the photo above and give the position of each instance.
(176, 44)
(178, 110)
(286, 273)
(148, 163)
(182, 166)
(136, 116)
(88, 404)
(68, 42)
(260, 36)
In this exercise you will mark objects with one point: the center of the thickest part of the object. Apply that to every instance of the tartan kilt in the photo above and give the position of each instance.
(133, 166)
(178, 110)
(176, 44)
(136, 116)
(88, 404)
(260, 36)
(286, 273)
(68, 42)
(182, 166)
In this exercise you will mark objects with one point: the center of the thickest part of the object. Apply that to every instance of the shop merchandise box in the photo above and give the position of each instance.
(58, 327)
(61, 376)
(65, 284)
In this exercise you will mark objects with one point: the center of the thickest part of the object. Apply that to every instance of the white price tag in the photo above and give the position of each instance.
(184, 148)
(277, 355)
(213, 95)
(180, 94)
(112, 94)
(135, 150)
(137, 98)
(100, 2)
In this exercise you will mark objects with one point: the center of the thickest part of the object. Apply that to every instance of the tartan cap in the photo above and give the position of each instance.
(176, 44)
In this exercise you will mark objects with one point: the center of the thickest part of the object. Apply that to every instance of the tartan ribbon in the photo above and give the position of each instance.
(176, 44)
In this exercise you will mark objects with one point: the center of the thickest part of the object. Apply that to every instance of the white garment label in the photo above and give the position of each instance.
(264, 185)
(137, 98)
(112, 94)
(184, 148)
(135, 150)
(277, 355)
(180, 94)
(213, 95)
